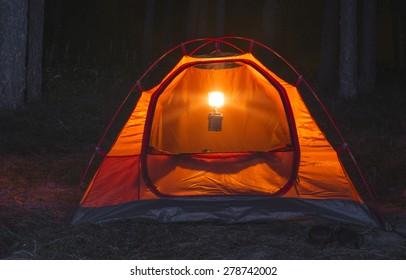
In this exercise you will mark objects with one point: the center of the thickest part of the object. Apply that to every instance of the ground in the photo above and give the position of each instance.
(45, 148)
(37, 229)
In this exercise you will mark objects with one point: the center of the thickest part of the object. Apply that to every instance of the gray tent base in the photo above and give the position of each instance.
(233, 210)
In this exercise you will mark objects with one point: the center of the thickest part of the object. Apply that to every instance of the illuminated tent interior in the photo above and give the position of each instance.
(222, 138)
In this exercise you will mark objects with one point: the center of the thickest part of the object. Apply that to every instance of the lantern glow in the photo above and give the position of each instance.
(216, 99)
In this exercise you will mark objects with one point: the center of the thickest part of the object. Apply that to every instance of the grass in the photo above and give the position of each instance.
(45, 147)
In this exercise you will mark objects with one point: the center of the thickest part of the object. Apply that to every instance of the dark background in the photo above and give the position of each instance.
(109, 33)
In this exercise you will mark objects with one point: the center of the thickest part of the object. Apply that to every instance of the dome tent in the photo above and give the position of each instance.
(260, 156)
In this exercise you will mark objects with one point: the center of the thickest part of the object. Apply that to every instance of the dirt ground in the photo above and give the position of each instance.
(34, 225)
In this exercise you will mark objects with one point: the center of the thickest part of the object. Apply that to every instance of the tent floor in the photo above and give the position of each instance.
(232, 210)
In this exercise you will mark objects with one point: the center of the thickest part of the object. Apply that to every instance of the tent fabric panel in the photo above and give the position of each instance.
(233, 210)
(253, 113)
(321, 174)
(129, 141)
(116, 182)
(222, 174)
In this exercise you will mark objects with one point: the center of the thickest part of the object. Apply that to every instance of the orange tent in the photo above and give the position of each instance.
(259, 156)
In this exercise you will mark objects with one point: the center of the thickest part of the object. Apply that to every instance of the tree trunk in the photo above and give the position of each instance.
(34, 60)
(148, 31)
(329, 45)
(399, 34)
(403, 22)
(167, 28)
(220, 18)
(54, 15)
(396, 46)
(367, 74)
(13, 53)
(191, 20)
(270, 11)
(203, 18)
(348, 78)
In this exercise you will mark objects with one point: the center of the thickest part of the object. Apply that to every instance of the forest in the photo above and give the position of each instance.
(132, 34)
(66, 66)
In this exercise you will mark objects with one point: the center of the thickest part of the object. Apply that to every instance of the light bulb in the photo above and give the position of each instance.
(216, 99)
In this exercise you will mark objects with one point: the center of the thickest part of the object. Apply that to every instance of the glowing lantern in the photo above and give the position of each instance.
(216, 100)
